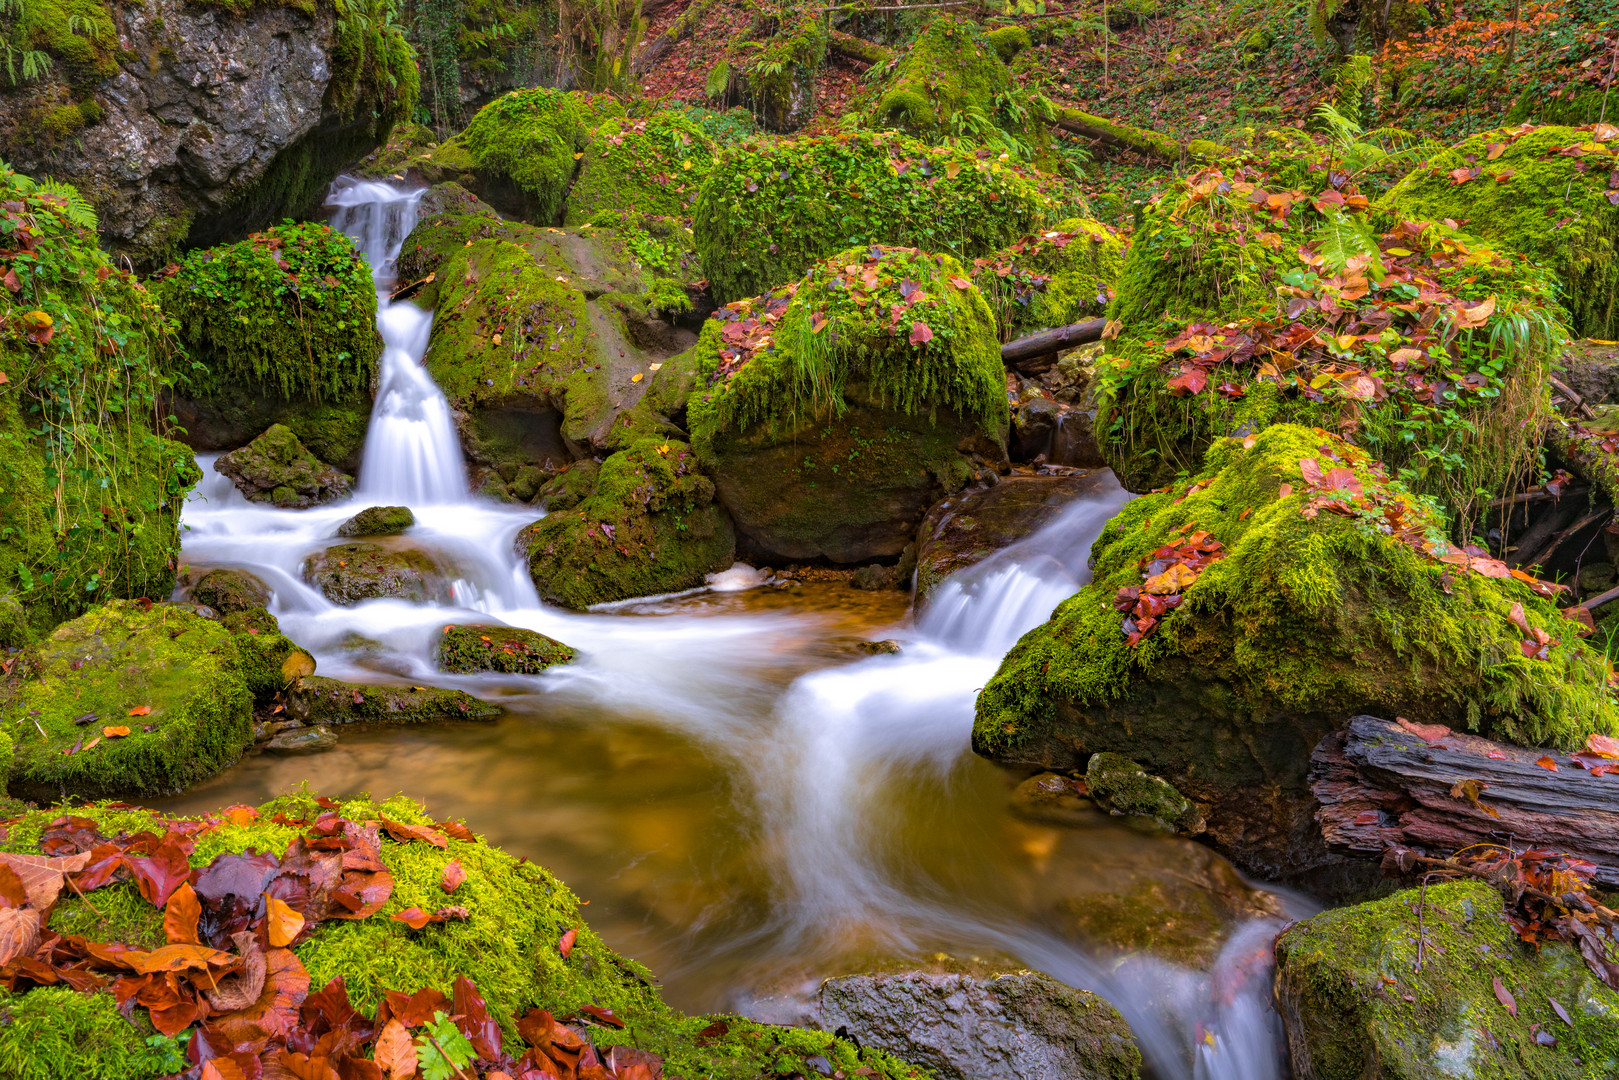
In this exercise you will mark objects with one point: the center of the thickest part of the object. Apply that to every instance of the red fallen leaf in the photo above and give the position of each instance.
(1191, 380)
(455, 830)
(960, 283)
(1126, 597)
(275, 1014)
(413, 917)
(921, 333)
(1496, 755)
(1429, 733)
(1517, 618)
(404, 833)
(565, 946)
(19, 933)
(141, 710)
(1490, 568)
(361, 895)
(417, 1009)
(179, 958)
(1311, 470)
(1547, 763)
(472, 1017)
(452, 877)
(13, 894)
(605, 1016)
(1602, 745)
(157, 875)
(1284, 491)
(1504, 996)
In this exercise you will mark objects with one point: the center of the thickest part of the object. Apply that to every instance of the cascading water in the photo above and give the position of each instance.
(738, 798)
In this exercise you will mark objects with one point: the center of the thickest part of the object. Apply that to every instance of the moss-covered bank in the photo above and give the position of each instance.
(1053, 278)
(652, 165)
(524, 146)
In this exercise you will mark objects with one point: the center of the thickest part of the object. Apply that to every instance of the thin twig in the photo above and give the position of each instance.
(1422, 899)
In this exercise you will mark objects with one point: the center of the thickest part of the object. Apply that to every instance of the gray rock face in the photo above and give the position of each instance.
(199, 105)
(1015, 1026)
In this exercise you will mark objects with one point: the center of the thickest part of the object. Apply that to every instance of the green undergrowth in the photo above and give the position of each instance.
(525, 143)
(1244, 302)
(1052, 278)
(55, 1032)
(1307, 620)
(768, 212)
(648, 166)
(290, 311)
(90, 487)
(1545, 193)
(771, 67)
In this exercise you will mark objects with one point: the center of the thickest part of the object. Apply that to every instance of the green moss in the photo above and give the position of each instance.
(270, 660)
(1370, 990)
(1052, 278)
(649, 527)
(768, 213)
(524, 145)
(1308, 620)
(276, 468)
(508, 650)
(186, 670)
(290, 311)
(651, 166)
(1542, 203)
(1123, 787)
(227, 590)
(378, 521)
(318, 700)
(571, 486)
(1008, 41)
(773, 68)
(349, 574)
(55, 1033)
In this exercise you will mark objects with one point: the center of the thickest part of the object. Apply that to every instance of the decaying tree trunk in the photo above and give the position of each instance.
(1050, 342)
(1379, 784)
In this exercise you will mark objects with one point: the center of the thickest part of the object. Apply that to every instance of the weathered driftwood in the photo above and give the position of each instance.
(1378, 784)
(1048, 342)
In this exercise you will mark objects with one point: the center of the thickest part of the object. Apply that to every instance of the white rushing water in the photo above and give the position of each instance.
(817, 764)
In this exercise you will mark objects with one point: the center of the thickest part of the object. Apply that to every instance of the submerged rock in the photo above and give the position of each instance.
(319, 700)
(1013, 1026)
(228, 589)
(276, 468)
(1417, 987)
(348, 574)
(1122, 787)
(378, 521)
(507, 650)
(301, 740)
(173, 679)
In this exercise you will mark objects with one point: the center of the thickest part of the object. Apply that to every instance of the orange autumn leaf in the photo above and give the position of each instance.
(179, 958)
(395, 1052)
(241, 815)
(453, 876)
(1602, 745)
(115, 732)
(1547, 763)
(281, 922)
(402, 832)
(413, 917)
(565, 946)
(140, 710)
(180, 916)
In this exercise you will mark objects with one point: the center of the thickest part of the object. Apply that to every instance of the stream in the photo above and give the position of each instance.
(748, 802)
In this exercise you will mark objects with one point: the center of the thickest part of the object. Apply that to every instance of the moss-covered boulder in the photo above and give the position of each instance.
(1052, 278)
(506, 650)
(270, 660)
(651, 526)
(569, 487)
(378, 521)
(1545, 193)
(128, 699)
(770, 68)
(767, 213)
(1406, 988)
(506, 946)
(317, 700)
(228, 589)
(833, 412)
(1247, 301)
(653, 165)
(1237, 618)
(953, 76)
(276, 468)
(1122, 787)
(353, 573)
(90, 484)
(525, 144)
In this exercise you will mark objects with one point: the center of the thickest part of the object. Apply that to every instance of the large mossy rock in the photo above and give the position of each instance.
(1541, 192)
(832, 413)
(1000, 1026)
(651, 526)
(767, 213)
(1321, 603)
(649, 166)
(1248, 301)
(506, 650)
(525, 144)
(228, 589)
(506, 946)
(276, 468)
(1052, 278)
(378, 521)
(174, 679)
(90, 486)
(352, 573)
(318, 700)
(1404, 988)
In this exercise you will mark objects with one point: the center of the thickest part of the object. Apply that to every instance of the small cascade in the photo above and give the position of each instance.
(412, 453)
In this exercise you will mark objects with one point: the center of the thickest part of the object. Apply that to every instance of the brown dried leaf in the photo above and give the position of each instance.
(19, 933)
(180, 916)
(1504, 996)
(452, 877)
(395, 1052)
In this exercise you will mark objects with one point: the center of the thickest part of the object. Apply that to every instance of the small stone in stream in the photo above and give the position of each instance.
(348, 574)
(873, 577)
(303, 740)
(319, 700)
(888, 646)
(1054, 799)
(1124, 788)
(228, 589)
(378, 521)
(506, 650)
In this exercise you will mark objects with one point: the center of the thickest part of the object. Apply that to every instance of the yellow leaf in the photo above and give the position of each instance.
(1248, 443)
(637, 377)
(496, 339)
(282, 922)
(664, 449)
(576, 157)
(113, 732)
(1173, 580)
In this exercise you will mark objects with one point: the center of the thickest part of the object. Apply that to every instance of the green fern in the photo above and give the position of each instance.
(74, 206)
(1343, 238)
(719, 80)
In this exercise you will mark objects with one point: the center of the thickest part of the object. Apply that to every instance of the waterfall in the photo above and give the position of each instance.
(412, 453)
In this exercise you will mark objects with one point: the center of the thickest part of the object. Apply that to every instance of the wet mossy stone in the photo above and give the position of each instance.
(767, 213)
(1404, 989)
(651, 526)
(349, 574)
(183, 670)
(1306, 621)
(378, 521)
(276, 468)
(650, 165)
(14, 632)
(319, 700)
(270, 659)
(505, 650)
(1538, 201)
(506, 947)
(228, 589)
(832, 439)
(1122, 787)
(568, 488)
(1052, 278)
(523, 147)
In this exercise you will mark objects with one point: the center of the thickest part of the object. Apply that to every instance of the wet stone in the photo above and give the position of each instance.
(228, 589)
(351, 573)
(302, 740)
(378, 521)
(1122, 787)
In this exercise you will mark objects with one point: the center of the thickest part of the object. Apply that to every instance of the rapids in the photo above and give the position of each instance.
(751, 804)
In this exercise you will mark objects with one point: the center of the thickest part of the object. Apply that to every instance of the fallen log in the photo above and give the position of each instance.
(858, 48)
(1378, 784)
(1047, 342)
(1112, 133)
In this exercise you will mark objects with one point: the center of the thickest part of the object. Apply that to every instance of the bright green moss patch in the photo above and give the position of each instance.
(1052, 278)
(1541, 192)
(768, 213)
(290, 311)
(182, 669)
(650, 526)
(55, 1033)
(523, 146)
(270, 660)
(651, 166)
